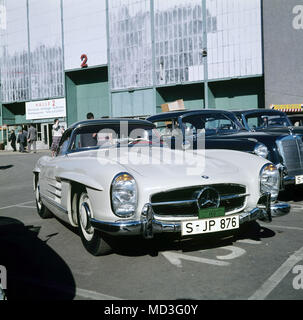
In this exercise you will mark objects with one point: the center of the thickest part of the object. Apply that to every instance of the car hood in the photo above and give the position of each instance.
(157, 163)
(163, 164)
(252, 135)
(284, 130)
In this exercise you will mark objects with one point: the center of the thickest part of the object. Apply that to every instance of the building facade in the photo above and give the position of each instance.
(127, 57)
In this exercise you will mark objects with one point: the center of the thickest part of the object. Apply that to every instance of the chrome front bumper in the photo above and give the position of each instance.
(149, 225)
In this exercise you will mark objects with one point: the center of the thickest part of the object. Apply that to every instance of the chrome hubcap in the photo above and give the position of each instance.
(38, 198)
(85, 214)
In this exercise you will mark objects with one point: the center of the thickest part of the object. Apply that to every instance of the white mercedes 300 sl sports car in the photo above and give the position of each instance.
(114, 177)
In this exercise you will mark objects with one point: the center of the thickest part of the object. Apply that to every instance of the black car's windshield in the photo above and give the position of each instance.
(259, 121)
(124, 135)
(213, 123)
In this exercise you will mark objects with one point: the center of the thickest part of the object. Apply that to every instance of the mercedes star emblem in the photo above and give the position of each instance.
(208, 197)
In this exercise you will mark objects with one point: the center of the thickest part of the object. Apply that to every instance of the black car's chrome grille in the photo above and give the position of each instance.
(291, 149)
(183, 202)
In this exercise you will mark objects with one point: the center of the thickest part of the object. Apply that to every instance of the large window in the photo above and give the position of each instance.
(233, 39)
(130, 43)
(46, 49)
(14, 56)
(84, 32)
(37, 74)
(178, 40)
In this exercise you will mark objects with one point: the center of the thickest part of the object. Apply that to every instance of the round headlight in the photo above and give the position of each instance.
(270, 181)
(124, 195)
(261, 150)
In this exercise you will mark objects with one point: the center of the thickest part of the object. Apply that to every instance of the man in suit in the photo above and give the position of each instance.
(32, 138)
(21, 140)
(12, 139)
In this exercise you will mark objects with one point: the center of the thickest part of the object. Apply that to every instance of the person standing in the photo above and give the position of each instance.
(12, 138)
(24, 132)
(88, 139)
(21, 140)
(57, 134)
(32, 138)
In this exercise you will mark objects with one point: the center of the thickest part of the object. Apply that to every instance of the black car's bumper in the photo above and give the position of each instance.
(290, 180)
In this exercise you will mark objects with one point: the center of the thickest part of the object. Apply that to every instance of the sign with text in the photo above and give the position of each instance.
(287, 107)
(55, 108)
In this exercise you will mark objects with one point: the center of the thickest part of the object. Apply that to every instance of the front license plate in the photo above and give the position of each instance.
(299, 179)
(209, 225)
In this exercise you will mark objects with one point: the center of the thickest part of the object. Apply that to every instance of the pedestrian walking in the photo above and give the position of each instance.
(21, 140)
(32, 138)
(12, 139)
(57, 134)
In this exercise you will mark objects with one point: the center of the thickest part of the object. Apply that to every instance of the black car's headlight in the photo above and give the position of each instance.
(261, 150)
(124, 195)
(270, 180)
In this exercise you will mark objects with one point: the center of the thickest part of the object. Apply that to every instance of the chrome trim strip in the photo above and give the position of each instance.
(202, 186)
(184, 202)
(174, 203)
(53, 203)
(55, 187)
(235, 196)
(55, 194)
(299, 150)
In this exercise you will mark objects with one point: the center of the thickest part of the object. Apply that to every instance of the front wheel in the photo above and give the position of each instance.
(92, 239)
(43, 212)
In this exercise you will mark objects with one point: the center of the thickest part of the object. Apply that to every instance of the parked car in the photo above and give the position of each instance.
(224, 131)
(124, 182)
(170, 124)
(267, 120)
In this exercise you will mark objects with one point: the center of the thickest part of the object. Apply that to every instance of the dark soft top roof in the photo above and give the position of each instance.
(110, 121)
(258, 111)
(175, 114)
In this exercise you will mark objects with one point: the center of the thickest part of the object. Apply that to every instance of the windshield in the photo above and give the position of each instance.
(111, 136)
(257, 122)
(213, 123)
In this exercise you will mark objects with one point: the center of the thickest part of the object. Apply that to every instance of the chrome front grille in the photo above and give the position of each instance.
(291, 149)
(183, 202)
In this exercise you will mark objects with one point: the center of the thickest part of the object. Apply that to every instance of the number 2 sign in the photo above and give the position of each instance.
(84, 60)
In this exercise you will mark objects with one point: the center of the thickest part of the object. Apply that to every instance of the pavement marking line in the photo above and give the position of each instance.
(28, 207)
(68, 289)
(17, 204)
(278, 276)
(282, 227)
(249, 241)
(175, 259)
(235, 253)
(94, 295)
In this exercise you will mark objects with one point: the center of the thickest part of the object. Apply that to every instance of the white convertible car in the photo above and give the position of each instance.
(114, 177)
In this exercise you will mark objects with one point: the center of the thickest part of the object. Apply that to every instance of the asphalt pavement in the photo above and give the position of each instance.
(45, 259)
